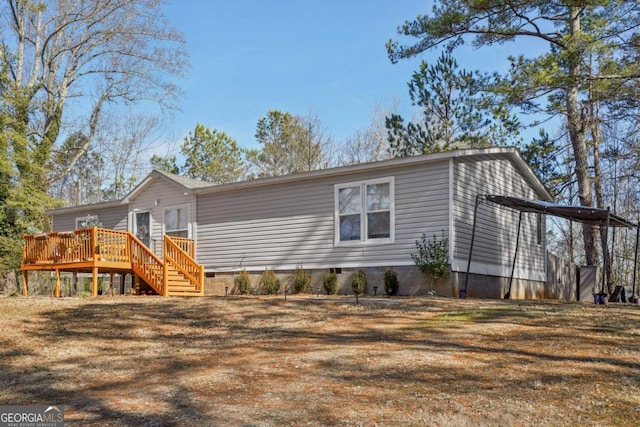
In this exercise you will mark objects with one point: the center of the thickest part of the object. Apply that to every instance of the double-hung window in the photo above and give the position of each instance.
(365, 212)
(176, 221)
(88, 222)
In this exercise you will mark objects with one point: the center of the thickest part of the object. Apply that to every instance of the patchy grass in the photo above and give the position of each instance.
(262, 361)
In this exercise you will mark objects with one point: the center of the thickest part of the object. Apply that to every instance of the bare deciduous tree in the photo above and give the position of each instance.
(370, 144)
(94, 52)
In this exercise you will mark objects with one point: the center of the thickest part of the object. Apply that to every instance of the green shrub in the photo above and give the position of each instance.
(330, 283)
(391, 284)
(243, 282)
(301, 281)
(270, 282)
(359, 282)
(433, 257)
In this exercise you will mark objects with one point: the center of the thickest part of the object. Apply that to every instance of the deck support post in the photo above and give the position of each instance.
(56, 290)
(111, 274)
(94, 282)
(25, 284)
(136, 284)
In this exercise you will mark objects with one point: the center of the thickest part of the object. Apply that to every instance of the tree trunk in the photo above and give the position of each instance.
(594, 126)
(575, 122)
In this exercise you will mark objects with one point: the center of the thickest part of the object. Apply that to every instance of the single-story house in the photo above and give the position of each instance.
(358, 217)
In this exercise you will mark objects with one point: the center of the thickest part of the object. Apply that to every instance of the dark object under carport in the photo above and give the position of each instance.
(587, 215)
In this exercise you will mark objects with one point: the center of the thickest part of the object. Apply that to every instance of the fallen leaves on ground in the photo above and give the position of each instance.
(309, 360)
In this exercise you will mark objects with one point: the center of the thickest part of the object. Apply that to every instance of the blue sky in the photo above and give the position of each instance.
(324, 57)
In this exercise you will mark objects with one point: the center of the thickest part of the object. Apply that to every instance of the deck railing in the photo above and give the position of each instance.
(97, 247)
(89, 244)
(111, 245)
(177, 257)
(147, 265)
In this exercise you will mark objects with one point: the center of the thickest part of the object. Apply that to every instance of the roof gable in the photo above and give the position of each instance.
(187, 184)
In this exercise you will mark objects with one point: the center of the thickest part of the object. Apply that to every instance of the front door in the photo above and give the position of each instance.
(143, 227)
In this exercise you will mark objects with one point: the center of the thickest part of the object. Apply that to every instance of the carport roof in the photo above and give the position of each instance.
(582, 214)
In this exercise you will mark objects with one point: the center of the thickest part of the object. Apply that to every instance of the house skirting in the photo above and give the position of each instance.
(412, 283)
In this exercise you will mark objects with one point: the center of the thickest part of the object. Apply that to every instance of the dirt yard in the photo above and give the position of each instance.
(261, 361)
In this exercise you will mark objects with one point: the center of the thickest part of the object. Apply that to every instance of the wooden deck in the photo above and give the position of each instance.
(97, 250)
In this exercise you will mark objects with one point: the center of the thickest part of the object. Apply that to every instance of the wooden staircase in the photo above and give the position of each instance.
(177, 274)
(180, 285)
(99, 250)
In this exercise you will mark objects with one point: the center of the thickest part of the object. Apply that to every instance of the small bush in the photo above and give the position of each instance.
(359, 282)
(270, 282)
(391, 284)
(301, 281)
(432, 257)
(330, 283)
(243, 282)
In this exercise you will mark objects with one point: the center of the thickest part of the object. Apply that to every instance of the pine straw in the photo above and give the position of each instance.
(261, 361)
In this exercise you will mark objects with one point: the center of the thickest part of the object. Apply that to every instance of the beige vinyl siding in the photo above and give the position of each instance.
(157, 196)
(288, 224)
(496, 228)
(114, 217)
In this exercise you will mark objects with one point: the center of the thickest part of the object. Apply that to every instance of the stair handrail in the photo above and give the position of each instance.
(185, 244)
(155, 277)
(183, 262)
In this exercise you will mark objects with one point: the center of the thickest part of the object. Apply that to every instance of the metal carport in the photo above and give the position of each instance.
(583, 214)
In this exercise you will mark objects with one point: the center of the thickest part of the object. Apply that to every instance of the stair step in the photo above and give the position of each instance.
(177, 283)
(184, 288)
(176, 276)
(185, 294)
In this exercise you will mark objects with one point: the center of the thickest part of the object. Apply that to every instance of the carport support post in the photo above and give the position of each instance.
(515, 257)
(605, 251)
(473, 238)
(635, 262)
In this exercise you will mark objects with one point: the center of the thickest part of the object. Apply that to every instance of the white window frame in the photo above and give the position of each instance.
(187, 208)
(135, 223)
(81, 219)
(364, 240)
